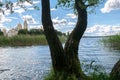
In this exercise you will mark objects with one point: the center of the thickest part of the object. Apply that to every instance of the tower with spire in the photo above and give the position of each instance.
(19, 26)
(25, 24)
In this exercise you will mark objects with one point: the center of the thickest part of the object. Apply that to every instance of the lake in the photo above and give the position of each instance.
(34, 62)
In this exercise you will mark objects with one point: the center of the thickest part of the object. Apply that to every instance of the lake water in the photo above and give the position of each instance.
(32, 63)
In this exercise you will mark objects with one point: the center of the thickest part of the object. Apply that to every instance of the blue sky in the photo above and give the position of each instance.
(105, 20)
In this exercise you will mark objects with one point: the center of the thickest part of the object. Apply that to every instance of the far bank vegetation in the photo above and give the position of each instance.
(27, 38)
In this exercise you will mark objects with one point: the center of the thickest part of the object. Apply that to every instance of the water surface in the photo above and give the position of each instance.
(34, 62)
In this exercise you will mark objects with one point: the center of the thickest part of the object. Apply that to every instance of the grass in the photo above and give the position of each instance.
(92, 76)
(112, 42)
(25, 40)
(94, 72)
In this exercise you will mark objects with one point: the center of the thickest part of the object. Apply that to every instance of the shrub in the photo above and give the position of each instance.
(36, 32)
(23, 31)
(1, 33)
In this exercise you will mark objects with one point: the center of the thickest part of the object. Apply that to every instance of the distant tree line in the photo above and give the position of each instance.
(36, 32)
(33, 32)
(30, 32)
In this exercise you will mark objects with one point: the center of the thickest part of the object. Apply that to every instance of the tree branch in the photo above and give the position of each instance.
(92, 4)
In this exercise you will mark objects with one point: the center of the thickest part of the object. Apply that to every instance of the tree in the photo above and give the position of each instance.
(115, 73)
(23, 32)
(36, 32)
(65, 60)
(1, 33)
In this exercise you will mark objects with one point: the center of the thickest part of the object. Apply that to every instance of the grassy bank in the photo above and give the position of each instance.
(112, 42)
(94, 72)
(25, 40)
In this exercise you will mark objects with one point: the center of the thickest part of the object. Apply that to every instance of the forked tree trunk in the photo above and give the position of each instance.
(72, 44)
(115, 73)
(65, 60)
(56, 49)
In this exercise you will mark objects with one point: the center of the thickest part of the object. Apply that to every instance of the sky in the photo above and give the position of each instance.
(104, 21)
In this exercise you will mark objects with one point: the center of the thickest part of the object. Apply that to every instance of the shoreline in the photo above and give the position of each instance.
(25, 40)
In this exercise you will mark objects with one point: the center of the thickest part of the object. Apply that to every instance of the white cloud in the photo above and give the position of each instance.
(53, 9)
(70, 15)
(59, 21)
(2, 26)
(71, 23)
(36, 2)
(4, 19)
(102, 30)
(29, 19)
(35, 26)
(19, 10)
(111, 5)
(27, 4)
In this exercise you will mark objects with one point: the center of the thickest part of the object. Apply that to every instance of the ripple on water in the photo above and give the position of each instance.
(34, 62)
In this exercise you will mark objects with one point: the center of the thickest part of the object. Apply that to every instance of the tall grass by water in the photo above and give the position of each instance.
(25, 40)
(94, 72)
(112, 42)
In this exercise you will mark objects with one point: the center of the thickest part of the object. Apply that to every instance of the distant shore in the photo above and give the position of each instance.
(25, 40)
(97, 36)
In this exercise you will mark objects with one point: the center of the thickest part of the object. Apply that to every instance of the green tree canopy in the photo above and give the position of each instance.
(9, 5)
(70, 4)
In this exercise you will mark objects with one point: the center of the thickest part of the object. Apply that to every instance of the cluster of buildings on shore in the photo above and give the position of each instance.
(14, 31)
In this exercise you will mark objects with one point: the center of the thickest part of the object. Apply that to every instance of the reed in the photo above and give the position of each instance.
(25, 40)
(112, 42)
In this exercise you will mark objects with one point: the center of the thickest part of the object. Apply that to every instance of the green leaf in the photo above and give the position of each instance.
(36, 8)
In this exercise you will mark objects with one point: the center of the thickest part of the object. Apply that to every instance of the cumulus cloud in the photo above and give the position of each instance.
(4, 19)
(29, 19)
(71, 23)
(36, 2)
(102, 30)
(36, 26)
(53, 9)
(70, 15)
(59, 21)
(111, 5)
(2, 26)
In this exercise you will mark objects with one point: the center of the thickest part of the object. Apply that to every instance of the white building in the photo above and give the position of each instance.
(19, 26)
(4, 32)
(12, 32)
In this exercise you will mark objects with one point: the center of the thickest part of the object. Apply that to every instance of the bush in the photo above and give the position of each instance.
(36, 32)
(59, 33)
(23, 31)
(1, 33)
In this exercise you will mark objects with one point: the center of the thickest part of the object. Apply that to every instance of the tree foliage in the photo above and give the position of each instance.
(1, 33)
(9, 5)
(70, 4)
(23, 32)
(36, 32)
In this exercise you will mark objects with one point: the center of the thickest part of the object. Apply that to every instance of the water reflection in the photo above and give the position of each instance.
(24, 63)
(91, 49)
(32, 63)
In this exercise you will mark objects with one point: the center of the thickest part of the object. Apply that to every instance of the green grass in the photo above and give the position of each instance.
(92, 76)
(112, 42)
(25, 40)
(94, 72)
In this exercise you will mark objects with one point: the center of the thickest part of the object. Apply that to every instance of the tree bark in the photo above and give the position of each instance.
(56, 49)
(115, 73)
(65, 60)
(72, 44)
